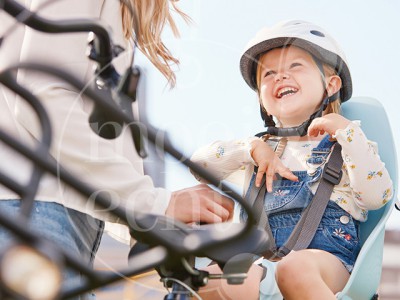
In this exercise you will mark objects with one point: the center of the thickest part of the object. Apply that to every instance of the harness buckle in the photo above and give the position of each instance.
(275, 254)
(332, 175)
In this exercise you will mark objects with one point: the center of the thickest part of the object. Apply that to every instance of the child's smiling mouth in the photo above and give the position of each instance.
(286, 91)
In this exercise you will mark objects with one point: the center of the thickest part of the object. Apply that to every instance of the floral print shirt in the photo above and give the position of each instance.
(365, 184)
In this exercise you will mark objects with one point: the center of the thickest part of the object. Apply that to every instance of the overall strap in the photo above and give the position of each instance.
(305, 229)
(255, 195)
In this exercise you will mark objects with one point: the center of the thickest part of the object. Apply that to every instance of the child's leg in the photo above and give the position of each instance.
(219, 289)
(311, 274)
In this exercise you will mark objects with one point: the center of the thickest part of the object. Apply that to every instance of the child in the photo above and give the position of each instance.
(301, 77)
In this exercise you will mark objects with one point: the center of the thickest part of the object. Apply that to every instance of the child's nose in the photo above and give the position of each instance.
(279, 76)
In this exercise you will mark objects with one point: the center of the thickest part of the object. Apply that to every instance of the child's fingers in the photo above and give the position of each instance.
(316, 127)
(259, 176)
(313, 131)
(269, 180)
(262, 168)
(270, 171)
(285, 172)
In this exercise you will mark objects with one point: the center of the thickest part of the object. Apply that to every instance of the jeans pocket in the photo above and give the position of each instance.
(283, 197)
(343, 237)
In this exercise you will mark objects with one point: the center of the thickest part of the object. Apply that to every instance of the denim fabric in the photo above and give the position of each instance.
(333, 235)
(289, 195)
(75, 232)
(337, 233)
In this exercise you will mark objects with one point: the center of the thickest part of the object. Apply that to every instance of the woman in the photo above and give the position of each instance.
(113, 166)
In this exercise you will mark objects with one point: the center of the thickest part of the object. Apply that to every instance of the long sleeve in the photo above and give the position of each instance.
(111, 166)
(223, 158)
(368, 178)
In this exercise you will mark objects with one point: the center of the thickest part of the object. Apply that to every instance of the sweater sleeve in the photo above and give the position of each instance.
(222, 158)
(370, 182)
(110, 166)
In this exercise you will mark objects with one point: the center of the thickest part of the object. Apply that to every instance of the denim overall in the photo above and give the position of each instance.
(337, 232)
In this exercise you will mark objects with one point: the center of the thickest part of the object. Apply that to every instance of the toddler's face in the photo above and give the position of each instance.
(291, 86)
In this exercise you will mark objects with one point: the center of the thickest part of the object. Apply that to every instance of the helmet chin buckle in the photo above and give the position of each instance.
(300, 130)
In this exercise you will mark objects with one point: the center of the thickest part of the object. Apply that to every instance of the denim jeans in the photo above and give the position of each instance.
(76, 233)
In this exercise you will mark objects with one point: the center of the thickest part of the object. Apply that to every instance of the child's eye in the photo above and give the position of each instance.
(268, 73)
(296, 64)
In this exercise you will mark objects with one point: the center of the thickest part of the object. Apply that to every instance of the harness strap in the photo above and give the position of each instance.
(257, 195)
(306, 227)
(312, 215)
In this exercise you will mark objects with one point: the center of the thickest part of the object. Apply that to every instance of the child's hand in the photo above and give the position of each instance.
(269, 163)
(328, 123)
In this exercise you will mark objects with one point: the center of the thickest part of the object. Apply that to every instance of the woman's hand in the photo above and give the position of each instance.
(269, 163)
(200, 203)
(328, 123)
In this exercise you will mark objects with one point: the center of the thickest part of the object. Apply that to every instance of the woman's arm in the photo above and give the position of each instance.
(112, 166)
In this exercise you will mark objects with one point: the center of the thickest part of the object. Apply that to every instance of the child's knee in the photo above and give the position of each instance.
(291, 269)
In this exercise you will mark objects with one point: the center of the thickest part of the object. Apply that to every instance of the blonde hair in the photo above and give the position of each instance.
(333, 107)
(145, 20)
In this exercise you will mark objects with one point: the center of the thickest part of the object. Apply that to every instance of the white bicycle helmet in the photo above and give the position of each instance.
(302, 34)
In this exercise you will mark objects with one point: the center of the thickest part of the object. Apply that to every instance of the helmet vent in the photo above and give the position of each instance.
(317, 33)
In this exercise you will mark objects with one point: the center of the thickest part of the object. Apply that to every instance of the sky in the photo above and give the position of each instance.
(211, 100)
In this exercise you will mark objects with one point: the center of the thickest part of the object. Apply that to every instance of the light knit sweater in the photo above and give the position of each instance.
(108, 165)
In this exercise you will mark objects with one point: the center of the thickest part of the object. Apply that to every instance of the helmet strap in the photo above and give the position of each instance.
(301, 130)
(268, 120)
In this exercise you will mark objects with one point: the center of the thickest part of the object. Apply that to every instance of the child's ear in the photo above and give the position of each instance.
(334, 84)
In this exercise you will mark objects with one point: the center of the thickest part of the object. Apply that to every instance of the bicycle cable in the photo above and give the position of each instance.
(166, 279)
